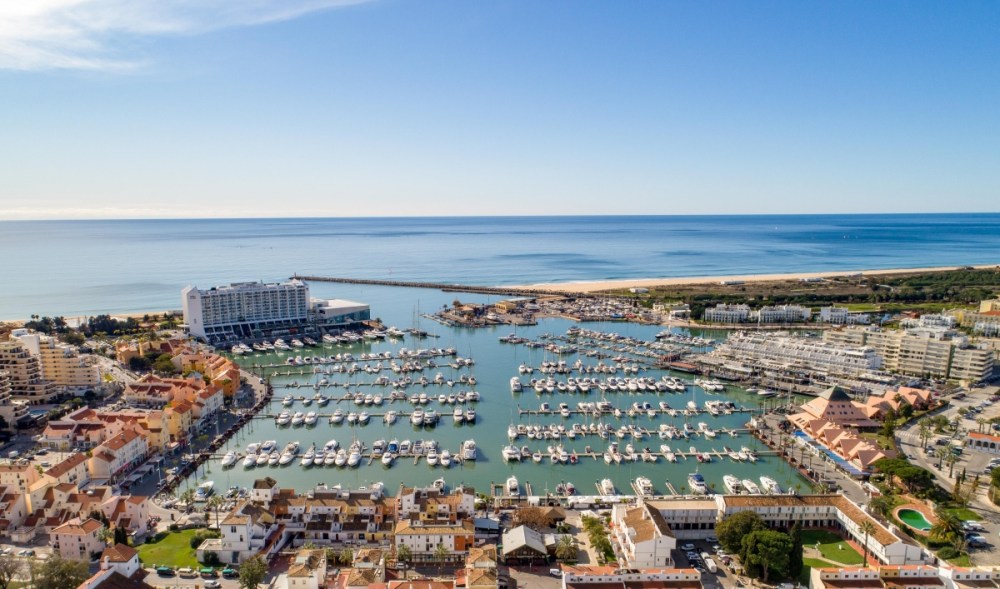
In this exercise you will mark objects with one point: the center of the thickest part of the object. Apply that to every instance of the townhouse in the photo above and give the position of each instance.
(118, 456)
(13, 510)
(643, 534)
(78, 539)
(246, 531)
(431, 542)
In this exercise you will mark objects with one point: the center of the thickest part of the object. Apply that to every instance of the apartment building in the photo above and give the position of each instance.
(783, 314)
(424, 540)
(118, 455)
(605, 577)
(246, 531)
(724, 313)
(429, 504)
(842, 316)
(11, 411)
(781, 351)
(923, 353)
(644, 536)
(307, 570)
(13, 509)
(60, 363)
(78, 539)
(688, 518)
(24, 371)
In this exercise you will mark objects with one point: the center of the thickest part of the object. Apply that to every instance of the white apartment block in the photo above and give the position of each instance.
(644, 536)
(78, 540)
(24, 371)
(842, 316)
(11, 410)
(786, 351)
(723, 313)
(243, 307)
(784, 314)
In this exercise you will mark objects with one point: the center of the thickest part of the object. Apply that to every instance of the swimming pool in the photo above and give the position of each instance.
(914, 519)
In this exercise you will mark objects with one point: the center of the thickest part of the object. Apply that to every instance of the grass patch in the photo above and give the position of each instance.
(812, 563)
(172, 549)
(831, 546)
(963, 513)
(961, 561)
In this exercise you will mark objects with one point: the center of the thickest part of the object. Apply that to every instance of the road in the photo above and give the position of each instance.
(908, 439)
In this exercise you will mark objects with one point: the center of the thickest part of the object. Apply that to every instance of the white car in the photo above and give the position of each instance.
(687, 547)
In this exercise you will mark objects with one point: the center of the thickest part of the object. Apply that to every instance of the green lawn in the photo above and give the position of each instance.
(961, 561)
(812, 563)
(172, 549)
(832, 547)
(963, 513)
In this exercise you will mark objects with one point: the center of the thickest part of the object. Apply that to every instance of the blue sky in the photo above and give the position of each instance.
(391, 107)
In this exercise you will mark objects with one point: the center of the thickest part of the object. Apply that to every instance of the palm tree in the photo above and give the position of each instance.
(440, 554)
(951, 459)
(347, 556)
(947, 529)
(924, 429)
(566, 548)
(403, 553)
(105, 534)
(215, 502)
(868, 528)
(980, 421)
(941, 454)
(187, 497)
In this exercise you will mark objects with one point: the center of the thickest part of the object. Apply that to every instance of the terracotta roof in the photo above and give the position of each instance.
(265, 483)
(119, 553)
(408, 528)
(74, 460)
(88, 526)
(852, 511)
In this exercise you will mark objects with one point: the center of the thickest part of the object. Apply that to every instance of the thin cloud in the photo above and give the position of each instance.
(86, 34)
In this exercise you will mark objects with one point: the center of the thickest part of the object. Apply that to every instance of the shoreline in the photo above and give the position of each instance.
(589, 286)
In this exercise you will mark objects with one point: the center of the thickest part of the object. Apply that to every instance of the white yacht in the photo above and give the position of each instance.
(469, 450)
(733, 484)
(310, 418)
(229, 459)
(751, 487)
(515, 385)
(513, 487)
(284, 418)
(697, 484)
(337, 417)
(445, 458)
(299, 418)
(607, 487)
(250, 461)
(204, 491)
(771, 486)
(643, 486)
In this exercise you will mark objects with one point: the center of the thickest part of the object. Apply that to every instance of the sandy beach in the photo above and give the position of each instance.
(603, 285)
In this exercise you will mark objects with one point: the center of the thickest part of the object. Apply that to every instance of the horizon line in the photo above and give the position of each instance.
(495, 216)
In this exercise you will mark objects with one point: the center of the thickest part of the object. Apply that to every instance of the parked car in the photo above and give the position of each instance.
(230, 573)
(687, 547)
(165, 571)
(212, 584)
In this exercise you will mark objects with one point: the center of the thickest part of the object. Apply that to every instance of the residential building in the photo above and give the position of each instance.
(246, 531)
(688, 518)
(112, 579)
(121, 558)
(325, 516)
(783, 352)
(784, 314)
(60, 363)
(118, 455)
(307, 570)
(18, 476)
(825, 511)
(644, 536)
(11, 411)
(924, 353)
(72, 470)
(983, 442)
(13, 509)
(130, 512)
(882, 577)
(78, 539)
(842, 316)
(429, 504)
(24, 371)
(724, 313)
(424, 540)
(605, 577)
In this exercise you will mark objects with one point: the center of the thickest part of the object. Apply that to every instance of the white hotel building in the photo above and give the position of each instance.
(253, 309)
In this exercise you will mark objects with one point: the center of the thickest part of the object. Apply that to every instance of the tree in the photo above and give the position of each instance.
(980, 422)
(880, 505)
(252, 572)
(10, 568)
(187, 498)
(534, 517)
(732, 529)
(440, 553)
(769, 550)
(565, 549)
(947, 529)
(868, 528)
(889, 423)
(346, 556)
(105, 534)
(121, 535)
(57, 572)
(215, 503)
(795, 558)
(924, 429)
(403, 553)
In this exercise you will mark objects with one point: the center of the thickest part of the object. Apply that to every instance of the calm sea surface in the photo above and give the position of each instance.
(84, 268)
(88, 267)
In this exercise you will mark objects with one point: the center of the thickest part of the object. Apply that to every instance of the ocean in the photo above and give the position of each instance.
(75, 268)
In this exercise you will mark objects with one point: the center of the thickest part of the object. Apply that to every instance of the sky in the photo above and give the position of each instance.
(270, 108)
